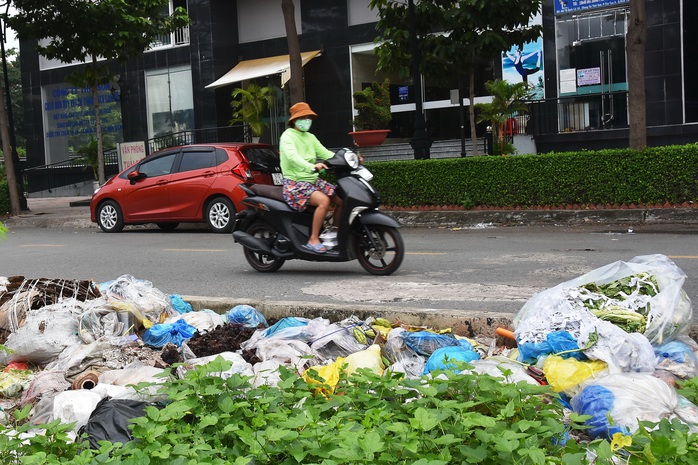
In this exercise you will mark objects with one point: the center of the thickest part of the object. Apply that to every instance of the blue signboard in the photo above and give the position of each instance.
(568, 6)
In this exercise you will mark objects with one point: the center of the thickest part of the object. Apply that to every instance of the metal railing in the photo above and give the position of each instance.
(178, 37)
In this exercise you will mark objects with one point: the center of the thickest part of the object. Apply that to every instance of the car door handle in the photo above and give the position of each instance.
(161, 183)
(208, 173)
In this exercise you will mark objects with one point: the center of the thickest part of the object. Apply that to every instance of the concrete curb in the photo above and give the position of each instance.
(462, 322)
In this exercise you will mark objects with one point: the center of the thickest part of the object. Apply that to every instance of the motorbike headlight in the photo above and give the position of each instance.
(351, 158)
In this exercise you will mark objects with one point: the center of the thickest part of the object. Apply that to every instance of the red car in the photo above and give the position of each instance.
(187, 184)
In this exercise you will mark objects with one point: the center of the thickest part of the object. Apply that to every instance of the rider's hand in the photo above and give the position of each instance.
(319, 167)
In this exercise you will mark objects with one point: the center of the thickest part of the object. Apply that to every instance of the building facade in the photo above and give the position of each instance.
(176, 87)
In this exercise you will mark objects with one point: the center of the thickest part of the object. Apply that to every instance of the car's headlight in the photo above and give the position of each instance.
(351, 158)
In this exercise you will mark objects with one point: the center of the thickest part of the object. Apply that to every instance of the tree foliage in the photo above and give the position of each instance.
(455, 36)
(94, 33)
(507, 100)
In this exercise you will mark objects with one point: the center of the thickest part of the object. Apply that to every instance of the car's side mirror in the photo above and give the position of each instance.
(136, 175)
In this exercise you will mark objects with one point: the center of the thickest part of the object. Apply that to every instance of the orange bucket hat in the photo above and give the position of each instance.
(299, 110)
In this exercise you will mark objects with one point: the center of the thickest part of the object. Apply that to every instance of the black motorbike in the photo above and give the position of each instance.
(271, 232)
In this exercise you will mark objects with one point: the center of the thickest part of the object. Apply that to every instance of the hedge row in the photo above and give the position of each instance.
(656, 175)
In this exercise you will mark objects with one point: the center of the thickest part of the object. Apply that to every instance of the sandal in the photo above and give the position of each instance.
(317, 248)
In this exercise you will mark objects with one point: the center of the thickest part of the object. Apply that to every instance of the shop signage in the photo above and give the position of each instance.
(568, 6)
(588, 76)
(130, 153)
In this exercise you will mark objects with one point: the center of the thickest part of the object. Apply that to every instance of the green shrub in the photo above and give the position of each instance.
(5, 206)
(654, 176)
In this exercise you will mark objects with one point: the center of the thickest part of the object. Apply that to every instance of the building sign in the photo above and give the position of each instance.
(69, 119)
(525, 64)
(130, 153)
(568, 6)
(568, 81)
(588, 76)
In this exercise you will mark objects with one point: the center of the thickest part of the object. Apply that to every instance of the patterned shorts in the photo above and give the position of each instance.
(297, 193)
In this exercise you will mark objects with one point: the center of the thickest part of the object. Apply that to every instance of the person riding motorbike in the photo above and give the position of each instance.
(302, 185)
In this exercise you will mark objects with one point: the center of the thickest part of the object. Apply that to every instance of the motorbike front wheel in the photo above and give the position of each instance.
(380, 249)
(261, 261)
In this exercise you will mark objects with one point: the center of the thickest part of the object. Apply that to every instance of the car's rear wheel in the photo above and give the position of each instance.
(220, 215)
(260, 261)
(167, 226)
(109, 217)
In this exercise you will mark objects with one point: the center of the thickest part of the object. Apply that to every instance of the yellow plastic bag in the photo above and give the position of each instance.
(368, 358)
(329, 374)
(566, 375)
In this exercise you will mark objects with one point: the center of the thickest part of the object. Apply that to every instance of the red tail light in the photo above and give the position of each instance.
(242, 171)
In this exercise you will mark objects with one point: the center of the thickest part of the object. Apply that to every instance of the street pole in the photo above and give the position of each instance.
(420, 140)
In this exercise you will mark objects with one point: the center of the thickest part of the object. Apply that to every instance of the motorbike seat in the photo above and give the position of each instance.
(265, 190)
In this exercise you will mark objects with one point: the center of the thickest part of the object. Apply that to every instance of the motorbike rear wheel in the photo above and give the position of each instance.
(261, 261)
(380, 249)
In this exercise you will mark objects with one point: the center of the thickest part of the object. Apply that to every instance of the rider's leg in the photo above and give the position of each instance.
(321, 202)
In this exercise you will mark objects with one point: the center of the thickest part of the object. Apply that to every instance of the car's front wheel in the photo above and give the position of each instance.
(109, 217)
(220, 215)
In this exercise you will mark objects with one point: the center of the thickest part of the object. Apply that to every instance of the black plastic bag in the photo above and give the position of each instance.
(110, 419)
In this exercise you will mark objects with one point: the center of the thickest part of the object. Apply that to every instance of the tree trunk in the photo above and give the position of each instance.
(294, 52)
(7, 154)
(471, 112)
(636, 43)
(94, 87)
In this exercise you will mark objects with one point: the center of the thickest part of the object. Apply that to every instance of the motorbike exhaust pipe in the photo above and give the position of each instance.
(255, 244)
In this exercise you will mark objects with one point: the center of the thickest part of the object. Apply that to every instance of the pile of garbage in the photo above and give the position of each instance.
(612, 342)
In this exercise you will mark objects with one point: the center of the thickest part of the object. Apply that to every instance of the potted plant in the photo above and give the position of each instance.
(249, 106)
(507, 100)
(373, 107)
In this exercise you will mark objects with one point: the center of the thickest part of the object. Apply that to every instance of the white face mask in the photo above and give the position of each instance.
(303, 124)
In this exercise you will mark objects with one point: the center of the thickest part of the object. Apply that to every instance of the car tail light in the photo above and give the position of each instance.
(242, 171)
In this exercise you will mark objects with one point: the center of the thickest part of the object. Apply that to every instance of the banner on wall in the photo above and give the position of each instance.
(525, 64)
(568, 6)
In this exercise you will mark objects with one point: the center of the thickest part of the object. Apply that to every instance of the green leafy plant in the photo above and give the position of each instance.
(507, 100)
(373, 107)
(249, 106)
(88, 155)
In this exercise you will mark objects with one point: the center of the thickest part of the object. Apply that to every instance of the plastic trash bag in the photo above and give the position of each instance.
(174, 333)
(148, 304)
(403, 359)
(179, 304)
(284, 323)
(337, 340)
(678, 358)
(669, 312)
(13, 383)
(617, 403)
(328, 375)
(75, 406)
(555, 342)
(96, 323)
(497, 366)
(623, 352)
(266, 374)
(110, 421)
(569, 375)
(203, 320)
(247, 316)
(369, 358)
(46, 332)
(44, 382)
(426, 342)
(239, 365)
(444, 358)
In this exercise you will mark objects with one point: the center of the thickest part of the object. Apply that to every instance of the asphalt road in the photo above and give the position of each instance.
(480, 269)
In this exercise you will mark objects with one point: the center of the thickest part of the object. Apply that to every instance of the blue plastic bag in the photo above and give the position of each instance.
(176, 333)
(443, 358)
(426, 342)
(555, 342)
(180, 304)
(677, 351)
(247, 316)
(288, 322)
(597, 401)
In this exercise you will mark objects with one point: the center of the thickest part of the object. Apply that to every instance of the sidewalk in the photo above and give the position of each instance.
(74, 212)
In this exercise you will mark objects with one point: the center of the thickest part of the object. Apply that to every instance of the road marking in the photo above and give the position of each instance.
(690, 257)
(194, 250)
(42, 245)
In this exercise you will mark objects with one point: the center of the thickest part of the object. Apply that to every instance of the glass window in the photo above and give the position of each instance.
(197, 160)
(159, 166)
(170, 101)
(263, 19)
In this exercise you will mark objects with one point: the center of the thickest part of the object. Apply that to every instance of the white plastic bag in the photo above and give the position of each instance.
(75, 406)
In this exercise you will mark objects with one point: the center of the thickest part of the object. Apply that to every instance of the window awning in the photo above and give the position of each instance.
(250, 69)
